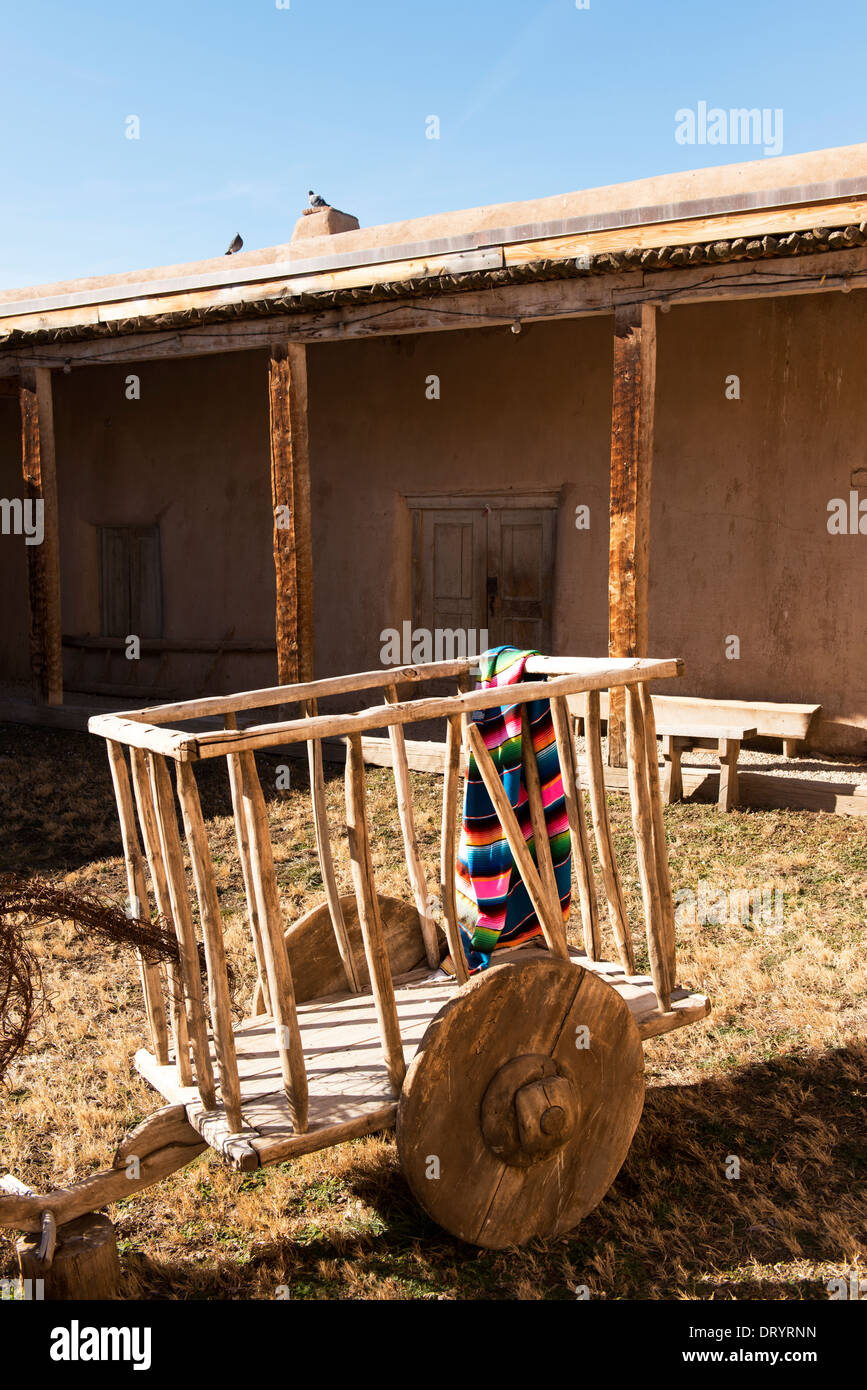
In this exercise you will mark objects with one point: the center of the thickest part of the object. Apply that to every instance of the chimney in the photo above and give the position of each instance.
(323, 222)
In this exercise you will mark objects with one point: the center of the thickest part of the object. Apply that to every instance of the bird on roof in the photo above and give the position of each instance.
(235, 245)
(315, 200)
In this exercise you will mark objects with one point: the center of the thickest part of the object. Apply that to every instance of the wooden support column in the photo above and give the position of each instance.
(290, 496)
(43, 560)
(629, 535)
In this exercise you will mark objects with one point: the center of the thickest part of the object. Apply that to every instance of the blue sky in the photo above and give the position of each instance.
(244, 106)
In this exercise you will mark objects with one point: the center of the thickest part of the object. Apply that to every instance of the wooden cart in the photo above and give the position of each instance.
(515, 1094)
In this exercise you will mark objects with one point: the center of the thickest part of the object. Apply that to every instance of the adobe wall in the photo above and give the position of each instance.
(739, 546)
(192, 455)
(740, 542)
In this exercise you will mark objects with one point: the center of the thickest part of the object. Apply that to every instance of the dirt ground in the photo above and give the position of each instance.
(776, 1077)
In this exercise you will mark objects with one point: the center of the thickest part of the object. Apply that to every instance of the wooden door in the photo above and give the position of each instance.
(130, 581)
(487, 566)
(520, 577)
(451, 569)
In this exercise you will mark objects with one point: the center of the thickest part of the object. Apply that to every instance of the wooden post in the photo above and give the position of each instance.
(280, 986)
(290, 496)
(191, 979)
(84, 1264)
(368, 914)
(631, 461)
(578, 836)
(233, 765)
(151, 980)
(645, 844)
(400, 767)
(533, 786)
(447, 847)
(43, 561)
(729, 751)
(326, 858)
(663, 873)
(604, 841)
(147, 819)
(215, 954)
(672, 771)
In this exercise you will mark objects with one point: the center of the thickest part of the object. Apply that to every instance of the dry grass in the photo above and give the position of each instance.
(776, 1076)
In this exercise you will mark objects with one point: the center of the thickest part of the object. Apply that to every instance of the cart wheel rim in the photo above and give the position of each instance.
(521, 1103)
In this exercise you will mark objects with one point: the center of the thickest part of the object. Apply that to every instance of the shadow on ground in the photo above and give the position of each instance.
(674, 1225)
(57, 804)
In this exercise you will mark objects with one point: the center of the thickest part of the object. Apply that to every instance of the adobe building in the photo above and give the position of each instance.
(622, 420)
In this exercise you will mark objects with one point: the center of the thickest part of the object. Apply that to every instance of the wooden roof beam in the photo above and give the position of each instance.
(537, 301)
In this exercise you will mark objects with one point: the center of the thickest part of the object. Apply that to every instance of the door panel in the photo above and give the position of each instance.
(452, 569)
(521, 562)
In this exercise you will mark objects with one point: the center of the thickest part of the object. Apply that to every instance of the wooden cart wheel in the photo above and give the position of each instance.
(521, 1102)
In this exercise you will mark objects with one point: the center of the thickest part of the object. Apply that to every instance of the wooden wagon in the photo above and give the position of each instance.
(515, 1094)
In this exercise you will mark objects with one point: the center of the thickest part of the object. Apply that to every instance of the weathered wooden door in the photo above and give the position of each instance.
(486, 566)
(520, 577)
(130, 587)
(452, 569)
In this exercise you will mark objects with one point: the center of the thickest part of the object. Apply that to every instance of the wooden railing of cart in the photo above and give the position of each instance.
(145, 796)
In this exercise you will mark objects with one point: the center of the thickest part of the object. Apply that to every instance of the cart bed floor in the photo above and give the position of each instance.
(350, 1094)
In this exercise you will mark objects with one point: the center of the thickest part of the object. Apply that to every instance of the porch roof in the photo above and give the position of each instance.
(794, 205)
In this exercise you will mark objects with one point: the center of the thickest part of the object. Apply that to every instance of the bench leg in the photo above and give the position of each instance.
(729, 749)
(672, 776)
(792, 747)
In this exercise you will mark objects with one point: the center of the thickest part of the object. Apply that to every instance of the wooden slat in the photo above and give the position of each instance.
(578, 836)
(602, 829)
(550, 922)
(167, 742)
(290, 496)
(297, 691)
(38, 468)
(368, 915)
(663, 874)
(629, 520)
(278, 972)
(215, 953)
(326, 857)
(642, 822)
(588, 673)
(447, 847)
(151, 979)
(690, 733)
(532, 783)
(216, 743)
(147, 819)
(242, 839)
(415, 870)
(191, 979)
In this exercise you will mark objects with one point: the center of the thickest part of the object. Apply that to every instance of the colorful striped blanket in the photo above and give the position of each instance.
(494, 908)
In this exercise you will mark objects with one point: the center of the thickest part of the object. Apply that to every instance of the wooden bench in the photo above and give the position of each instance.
(766, 718)
(725, 739)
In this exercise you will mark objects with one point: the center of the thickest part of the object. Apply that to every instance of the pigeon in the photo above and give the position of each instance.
(235, 245)
(315, 200)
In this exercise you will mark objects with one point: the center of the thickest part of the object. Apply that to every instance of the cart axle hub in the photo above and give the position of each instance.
(528, 1111)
